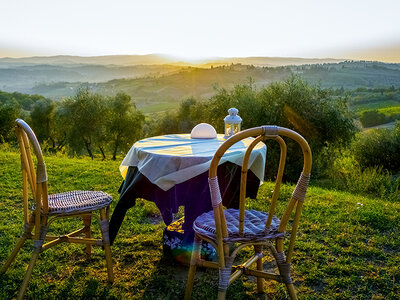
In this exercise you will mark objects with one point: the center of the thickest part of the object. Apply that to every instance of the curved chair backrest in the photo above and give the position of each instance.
(262, 133)
(37, 177)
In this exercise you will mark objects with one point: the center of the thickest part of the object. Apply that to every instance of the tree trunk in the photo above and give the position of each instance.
(102, 153)
(60, 146)
(53, 142)
(87, 145)
(114, 157)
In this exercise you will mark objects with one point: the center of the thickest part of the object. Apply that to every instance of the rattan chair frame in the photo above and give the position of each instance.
(40, 218)
(227, 250)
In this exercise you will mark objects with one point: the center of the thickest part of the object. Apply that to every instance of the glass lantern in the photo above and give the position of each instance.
(232, 122)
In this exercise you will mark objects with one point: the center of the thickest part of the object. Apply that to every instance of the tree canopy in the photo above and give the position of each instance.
(92, 123)
(321, 117)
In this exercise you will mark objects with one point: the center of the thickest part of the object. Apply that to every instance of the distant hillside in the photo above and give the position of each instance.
(24, 78)
(200, 83)
(23, 74)
(351, 75)
(163, 85)
(190, 82)
(159, 59)
(274, 61)
(121, 60)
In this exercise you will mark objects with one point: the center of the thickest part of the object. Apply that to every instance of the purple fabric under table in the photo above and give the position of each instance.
(193, 194)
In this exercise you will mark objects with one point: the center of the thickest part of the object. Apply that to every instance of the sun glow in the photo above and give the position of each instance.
(190, 58)
(193, 30)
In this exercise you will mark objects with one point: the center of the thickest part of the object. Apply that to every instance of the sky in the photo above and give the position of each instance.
(190, 29)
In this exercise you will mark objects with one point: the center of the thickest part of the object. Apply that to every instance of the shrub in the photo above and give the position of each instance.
(323, 119)
(9, 111)
(371, 118)
(347, 174)
(378, 147)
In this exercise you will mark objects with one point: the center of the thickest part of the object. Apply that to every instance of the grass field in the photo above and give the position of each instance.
(159, 107)
(390, 111)
(348, 245)
(378, 104)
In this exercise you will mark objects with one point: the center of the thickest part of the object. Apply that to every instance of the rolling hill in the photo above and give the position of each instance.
(200, 83)
(158, 82)
(160, 59)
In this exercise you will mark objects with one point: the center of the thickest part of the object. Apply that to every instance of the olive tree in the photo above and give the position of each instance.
(321, 117)
(83, 120)
(9, 111)
(124, 123)
(42, 118)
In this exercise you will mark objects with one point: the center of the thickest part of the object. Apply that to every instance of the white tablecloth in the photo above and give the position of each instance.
(171, 159)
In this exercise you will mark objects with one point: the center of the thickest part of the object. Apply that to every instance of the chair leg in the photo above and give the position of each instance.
(224, 276)
(28, 273)
(260, 281)
(104, 225)
(37, 244)
(20, 243)
(291, 291)
(13, 254)
(192, 269)
(284, 271)
(87, 219)
(221, 295)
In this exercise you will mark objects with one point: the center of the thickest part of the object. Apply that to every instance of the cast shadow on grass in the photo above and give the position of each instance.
(170, 276)
(92, 290)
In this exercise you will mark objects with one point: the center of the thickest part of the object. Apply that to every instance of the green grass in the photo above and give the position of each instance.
(378, 104)
(158, 107)
(363, 99)
(390, 111)
(394, 110)
(387, 115)
(348, 245)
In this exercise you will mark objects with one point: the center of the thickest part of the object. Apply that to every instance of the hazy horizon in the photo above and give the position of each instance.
(189, 31)
(387, 57)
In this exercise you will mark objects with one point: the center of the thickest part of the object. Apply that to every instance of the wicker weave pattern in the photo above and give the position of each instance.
(300, 191)
(214, 191)
(78, 201)
(225, 274)
(270, 130)
(41, 173)
(254, 226)
(284, 267)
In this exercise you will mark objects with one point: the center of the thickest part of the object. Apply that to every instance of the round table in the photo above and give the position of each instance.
(172, 171)
(171, 159)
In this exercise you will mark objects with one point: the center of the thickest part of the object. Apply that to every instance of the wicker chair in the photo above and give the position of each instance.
(47, 208)
(229, 230)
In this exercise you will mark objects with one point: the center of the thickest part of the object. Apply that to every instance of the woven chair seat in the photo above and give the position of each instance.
(78, 202)
(254, 226)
